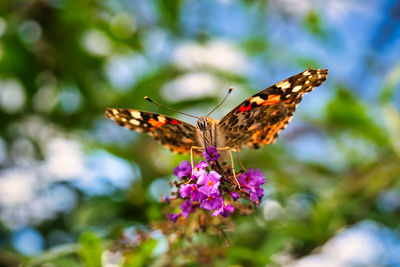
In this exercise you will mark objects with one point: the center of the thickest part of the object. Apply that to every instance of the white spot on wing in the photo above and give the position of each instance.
(136, 114)
(134, 122)
(257, 100)
(296, 88)
(161, 118)
(283, 85)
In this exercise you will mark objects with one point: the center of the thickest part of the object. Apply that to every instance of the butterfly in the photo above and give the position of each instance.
(256, 122)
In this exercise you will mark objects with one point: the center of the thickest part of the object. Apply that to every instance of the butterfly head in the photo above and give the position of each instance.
(207, 128)
(203, 123)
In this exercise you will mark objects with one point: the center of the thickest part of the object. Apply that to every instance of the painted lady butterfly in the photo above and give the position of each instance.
(254, 123)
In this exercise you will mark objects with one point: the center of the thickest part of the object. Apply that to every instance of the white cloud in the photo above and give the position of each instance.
(365, 244)
(64, 158)
(192, 86)
(218, 54)
(16, 187)
(96, 42)
(12, 95)
(272, 209)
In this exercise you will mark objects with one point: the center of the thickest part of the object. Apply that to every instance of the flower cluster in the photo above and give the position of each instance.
(208, 186)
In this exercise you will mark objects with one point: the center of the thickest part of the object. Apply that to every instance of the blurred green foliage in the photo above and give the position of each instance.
(336, 166)
(91, 249)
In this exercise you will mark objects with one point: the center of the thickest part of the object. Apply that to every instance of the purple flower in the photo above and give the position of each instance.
(251, 182)
(256, 193)
(200, 170)
(252, 178)
(174, 217)
(183, 170)
(234, 196)
(212, 202)
(192, 191)
(187, 189)
(211, 153)
(224, 210)
(210, 183)
(202, 165)
(187, 208)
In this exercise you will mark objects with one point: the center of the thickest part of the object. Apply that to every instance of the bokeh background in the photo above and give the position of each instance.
(71, 181)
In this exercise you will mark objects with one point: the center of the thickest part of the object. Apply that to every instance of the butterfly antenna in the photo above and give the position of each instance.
(161, 105)
(222, 101)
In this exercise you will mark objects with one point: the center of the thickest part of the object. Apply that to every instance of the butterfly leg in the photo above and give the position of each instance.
(240, 162)
(191, 157)
(232, 165)
(218, 148)
(233, 168)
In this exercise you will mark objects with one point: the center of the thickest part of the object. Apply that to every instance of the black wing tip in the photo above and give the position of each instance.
(323, 71)
(315, 74)
(317, 70)
(109, 113)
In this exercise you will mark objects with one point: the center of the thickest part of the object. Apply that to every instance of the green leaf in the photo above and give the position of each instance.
(169, 12)
(391, 81)
(142, 256)
(346, 112)
(91, 249)
(313, 23)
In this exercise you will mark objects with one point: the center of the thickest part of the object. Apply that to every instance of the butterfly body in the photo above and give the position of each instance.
(208, 132)
(253, 123)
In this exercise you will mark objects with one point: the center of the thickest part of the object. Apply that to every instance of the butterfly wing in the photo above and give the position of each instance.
(176, 135)
(258, 120)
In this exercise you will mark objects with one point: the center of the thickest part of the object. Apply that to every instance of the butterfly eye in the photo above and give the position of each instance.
(201, 124)
(198, 124)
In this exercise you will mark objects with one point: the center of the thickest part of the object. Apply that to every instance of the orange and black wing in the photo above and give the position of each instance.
(258, 120)
(176, 135)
